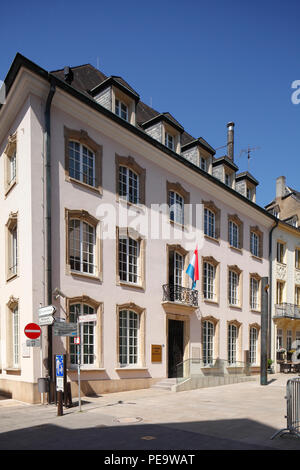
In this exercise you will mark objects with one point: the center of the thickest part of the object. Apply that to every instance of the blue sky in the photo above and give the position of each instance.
(206, 62)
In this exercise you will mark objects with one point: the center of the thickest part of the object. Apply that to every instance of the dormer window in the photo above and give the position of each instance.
(203, 164)
(228, 179)
(169, 141)
(249, 194)
(121, 110)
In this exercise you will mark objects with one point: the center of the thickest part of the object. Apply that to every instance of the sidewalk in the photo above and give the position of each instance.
(238, 416)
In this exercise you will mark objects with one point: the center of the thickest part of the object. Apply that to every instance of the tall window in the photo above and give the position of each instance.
(203, 164)
(178, 269)
(87, 333)
(232, 344)
(208, 342)
(280, 252)
(14, 251)
(279, 339)
(254, 244)
(12, 245)
(82, 163)
(82, 243)
(289, 339)
(209, 223)
(227, 179)
(254, 293)
(297, 296)
(209, 274)
(128, 337)
(121, 109)
(233, 234)
(128, 185)
(12, 174)
(233, 288)
(169, 141)
(279, 292)
(297, 258)
(176, 204)
(129, 251)
(16, 337)
(253, 345)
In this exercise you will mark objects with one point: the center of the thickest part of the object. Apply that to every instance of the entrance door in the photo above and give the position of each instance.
(175, 348)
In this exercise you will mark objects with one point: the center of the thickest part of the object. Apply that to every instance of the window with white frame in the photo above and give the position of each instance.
(279, 339)
(280, 252)
(176, 204)
(254, 244)
(12, 247)
(128, 338)
(82, 246)
(232, 344)
(178, 269)
(169, 141)
(233, 288)
(208, 332)
(16, 337)
(121, 109)
(233, 234)
(249, 193)
(254, 293)
(82, 163)
(203, 163)
(87, 334)
(279, 292)
(209, 223)
(253, 345)
(12, 172)
(128, 185)
(228, 179)
(209, 276)
(289, 339)
(129, 253)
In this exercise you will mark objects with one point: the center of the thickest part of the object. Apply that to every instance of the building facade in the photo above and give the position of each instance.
(129, 195)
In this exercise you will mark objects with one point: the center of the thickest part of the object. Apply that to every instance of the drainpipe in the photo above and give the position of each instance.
(48, 221)
(270, 290)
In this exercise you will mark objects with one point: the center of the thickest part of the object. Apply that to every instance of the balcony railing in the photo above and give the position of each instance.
(184, 295)
(287, 310)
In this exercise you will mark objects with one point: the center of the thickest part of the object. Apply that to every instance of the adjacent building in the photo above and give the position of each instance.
(103, 201)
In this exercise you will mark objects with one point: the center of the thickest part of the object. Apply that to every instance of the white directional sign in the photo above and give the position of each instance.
(46, 311)
(49, 320)
(86, 318)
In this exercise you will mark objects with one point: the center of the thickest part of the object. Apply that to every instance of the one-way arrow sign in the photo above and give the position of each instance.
(46, 311)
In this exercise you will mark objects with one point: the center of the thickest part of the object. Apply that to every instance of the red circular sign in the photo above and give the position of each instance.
(32, 331)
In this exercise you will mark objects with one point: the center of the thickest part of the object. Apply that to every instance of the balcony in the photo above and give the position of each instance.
(180, 295)
(286, 310)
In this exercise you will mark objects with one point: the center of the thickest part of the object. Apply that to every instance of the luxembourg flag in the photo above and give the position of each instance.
(193, 268)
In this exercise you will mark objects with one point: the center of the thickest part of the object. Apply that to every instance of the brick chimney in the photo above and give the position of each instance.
(280, 186)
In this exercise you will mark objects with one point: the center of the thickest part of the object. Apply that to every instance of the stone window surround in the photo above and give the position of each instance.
(235, 219)
(216, 264)
(178, 188)
(84, 216)
(257, 277)
(185, 254)
(12, 303)
(11, 224)
(210, 205)
(239, 327)
(216, 323)
(10, 148)
(255, 229)
(131, 163)
(281, 242)
(239, 272)
(131, 233)
(258, 328)
(82, 137)
(98, 307)
(141, 312)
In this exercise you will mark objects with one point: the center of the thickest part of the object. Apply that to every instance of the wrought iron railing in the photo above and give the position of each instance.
(184, 295)
(287, 310)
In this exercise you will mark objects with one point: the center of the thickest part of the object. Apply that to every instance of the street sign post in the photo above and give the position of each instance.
(59, 366)
(32, 331)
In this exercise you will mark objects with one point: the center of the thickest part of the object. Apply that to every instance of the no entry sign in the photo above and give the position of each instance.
(32, 331)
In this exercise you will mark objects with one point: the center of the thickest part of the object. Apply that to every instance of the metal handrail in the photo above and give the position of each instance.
(287, 310)
(292, 408)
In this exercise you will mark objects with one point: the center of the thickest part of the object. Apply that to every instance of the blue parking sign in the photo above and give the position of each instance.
(59, 360)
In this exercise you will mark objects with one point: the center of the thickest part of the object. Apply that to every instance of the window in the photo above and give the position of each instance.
(209, 223)
(128, 338)
(280, 252)
(279, 338)
(178, 269)
(233, 288)
(87, 334)
(249, 194)
(82, 242)
(129, 260)
(227, 179)
(279, 292)
(12, 246)
(233, 234)
(82, 163)
(297, 296)
(121, 109)
(208, 342)
(297, 258)
(232, 344)
(16, 337)
(289, 339)
(176, 204)
(254, 293)
(11, 162)
(209, 275)
(203, 163)
(253, 345)
(128, 185)
(254, 244)
(83, 160)
(169, 141)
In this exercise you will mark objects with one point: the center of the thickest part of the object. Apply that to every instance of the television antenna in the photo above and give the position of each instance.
(248, 152)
